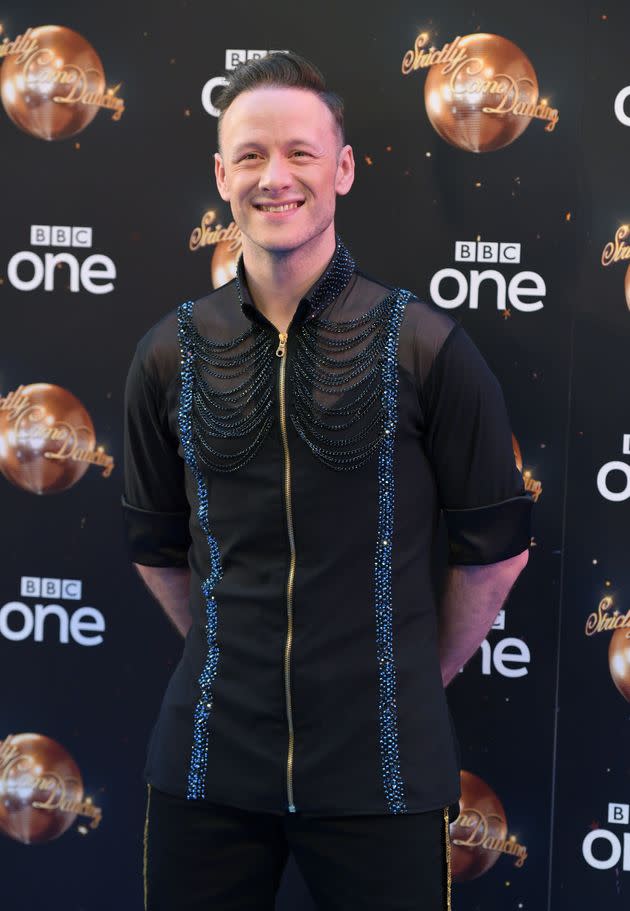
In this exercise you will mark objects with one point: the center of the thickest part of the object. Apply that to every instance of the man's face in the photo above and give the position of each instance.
(281, 166)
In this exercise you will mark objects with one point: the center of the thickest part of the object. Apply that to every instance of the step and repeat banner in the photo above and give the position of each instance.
(492, 147)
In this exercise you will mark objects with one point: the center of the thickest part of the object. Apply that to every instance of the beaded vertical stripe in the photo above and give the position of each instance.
(199, 753)
(393, 783)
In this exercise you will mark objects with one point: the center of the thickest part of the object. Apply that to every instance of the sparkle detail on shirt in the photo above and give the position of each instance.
(337, 386)
(335, 381)
(336, 277)
(232, 395)
(370, 376)
(199, 753)
(388, 710)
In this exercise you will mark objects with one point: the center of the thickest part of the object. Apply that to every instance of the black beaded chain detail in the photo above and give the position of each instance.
(336, 386)
(335, 382)
(232, 395)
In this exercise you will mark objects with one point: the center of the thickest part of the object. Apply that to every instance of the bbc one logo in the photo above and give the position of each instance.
(455, 287)
(233, 57)
(30, 270)
(508, 656)
(40, 617)
(604, 849)
(613, 478)
(621, 108)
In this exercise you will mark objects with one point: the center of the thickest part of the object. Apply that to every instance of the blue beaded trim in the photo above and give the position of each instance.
(393, 783)
(199, 754)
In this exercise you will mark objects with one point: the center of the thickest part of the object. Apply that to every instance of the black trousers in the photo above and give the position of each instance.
(200, 856)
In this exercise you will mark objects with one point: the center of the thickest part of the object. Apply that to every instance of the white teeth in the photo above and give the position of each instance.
(291, 205)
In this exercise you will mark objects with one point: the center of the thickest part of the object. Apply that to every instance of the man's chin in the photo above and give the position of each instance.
(282, 242)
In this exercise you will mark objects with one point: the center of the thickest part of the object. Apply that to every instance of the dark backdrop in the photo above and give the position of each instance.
(552, 743)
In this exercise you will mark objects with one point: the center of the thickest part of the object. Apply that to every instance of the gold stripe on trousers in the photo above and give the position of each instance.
(145, 855)
(447, 845)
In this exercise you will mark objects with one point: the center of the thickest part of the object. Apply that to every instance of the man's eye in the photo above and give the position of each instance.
(249, 156)
(300, 152)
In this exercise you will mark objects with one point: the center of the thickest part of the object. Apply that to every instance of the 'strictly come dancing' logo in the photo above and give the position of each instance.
(479, 835)
(617, 250)
(41, 790)
(52, 82)
(227, 244)
(47, 439)
(608, 618)
(532, 486)
(481, 92)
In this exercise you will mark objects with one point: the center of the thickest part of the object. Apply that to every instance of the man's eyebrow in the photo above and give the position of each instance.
(253, 145)
(241, 146)
(301, 141)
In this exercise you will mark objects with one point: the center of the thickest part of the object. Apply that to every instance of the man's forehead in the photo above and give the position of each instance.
(268, 109)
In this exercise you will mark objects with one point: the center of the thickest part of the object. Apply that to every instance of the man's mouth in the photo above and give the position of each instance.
(284, 207)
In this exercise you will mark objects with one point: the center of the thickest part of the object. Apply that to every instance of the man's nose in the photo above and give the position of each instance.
(276, 174)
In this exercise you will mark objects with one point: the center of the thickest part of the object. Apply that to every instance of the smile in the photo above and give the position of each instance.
(284, 208)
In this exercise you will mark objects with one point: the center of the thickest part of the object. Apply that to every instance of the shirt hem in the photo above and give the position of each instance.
(450, 801)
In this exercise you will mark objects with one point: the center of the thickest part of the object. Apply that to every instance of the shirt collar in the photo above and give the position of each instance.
(323, 292)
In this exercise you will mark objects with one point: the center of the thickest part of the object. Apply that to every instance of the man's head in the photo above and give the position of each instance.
(281, 144)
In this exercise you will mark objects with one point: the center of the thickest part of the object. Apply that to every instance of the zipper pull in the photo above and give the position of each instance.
(282, 344)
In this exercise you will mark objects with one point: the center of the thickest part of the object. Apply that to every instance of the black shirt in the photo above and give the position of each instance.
(302, 478)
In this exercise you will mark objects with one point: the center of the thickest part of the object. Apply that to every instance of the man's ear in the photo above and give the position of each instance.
(345, 171)
(221, 178)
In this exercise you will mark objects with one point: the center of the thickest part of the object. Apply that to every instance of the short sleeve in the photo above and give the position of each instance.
(155, 506)
(469, 443)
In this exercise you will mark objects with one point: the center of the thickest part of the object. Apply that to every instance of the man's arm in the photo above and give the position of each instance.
(155, 506)
(472, 598)
(170, 586)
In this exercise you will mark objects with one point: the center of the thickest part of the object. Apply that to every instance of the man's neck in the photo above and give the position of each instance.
(277, 283)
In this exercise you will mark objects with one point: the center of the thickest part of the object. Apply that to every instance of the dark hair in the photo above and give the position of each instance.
(283, 70)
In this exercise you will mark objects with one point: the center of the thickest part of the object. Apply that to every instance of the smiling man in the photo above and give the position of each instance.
(291, 442)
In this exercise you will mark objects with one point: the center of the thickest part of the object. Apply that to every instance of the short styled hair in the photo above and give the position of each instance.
(282, 70)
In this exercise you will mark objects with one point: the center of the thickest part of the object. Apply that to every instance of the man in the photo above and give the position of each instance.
(291, 441)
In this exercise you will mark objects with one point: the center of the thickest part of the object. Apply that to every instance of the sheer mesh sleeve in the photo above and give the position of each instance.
(155, 507)
(469, 443)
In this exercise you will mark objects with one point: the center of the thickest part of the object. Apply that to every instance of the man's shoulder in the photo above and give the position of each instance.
(160, 344)
(424, 322)
(429, 325)
(216, 307)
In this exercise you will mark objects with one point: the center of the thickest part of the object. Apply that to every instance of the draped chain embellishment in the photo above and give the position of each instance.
(233, 395)
(336, 399)
(337, 403)
(335, 385)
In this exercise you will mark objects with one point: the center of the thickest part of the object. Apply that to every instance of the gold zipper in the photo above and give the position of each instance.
(281, 353)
